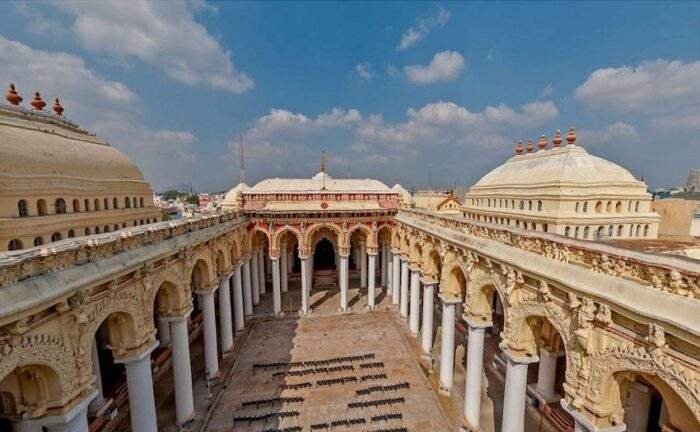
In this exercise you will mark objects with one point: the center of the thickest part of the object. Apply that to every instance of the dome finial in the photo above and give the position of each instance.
(543, 142)
(529, 146)
(12, 96)
(57, 108)
(557, 138)
(519, 147)
(571, 136)
(37, 102)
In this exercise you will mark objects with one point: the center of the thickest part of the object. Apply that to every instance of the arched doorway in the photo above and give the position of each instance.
(324, 255)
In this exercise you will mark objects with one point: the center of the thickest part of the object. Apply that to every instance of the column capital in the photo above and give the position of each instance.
(404, 257)
(395, 251)
(449, 299)
(425, 280)
(146, 351)
(80, 408)
(372, 251)
(179, 318)
(414, 267)
(475, 323)
(519, 358)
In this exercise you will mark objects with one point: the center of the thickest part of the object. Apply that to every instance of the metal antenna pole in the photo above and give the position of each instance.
(242, 162)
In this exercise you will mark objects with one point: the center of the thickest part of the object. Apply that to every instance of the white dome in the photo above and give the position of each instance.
(231, 198)
(403, 194)
(569, 165)
(322, 175)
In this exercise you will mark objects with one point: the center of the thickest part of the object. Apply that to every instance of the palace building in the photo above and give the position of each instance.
(324, 304)
(60, 181)
(564, 190)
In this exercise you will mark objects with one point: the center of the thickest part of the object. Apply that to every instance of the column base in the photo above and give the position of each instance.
(414, 334)
(302, 313)
(227, 354)
(342, 309)
(184, 426)
(467, 427)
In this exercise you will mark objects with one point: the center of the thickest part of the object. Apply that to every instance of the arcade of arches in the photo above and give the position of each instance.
(608, 336)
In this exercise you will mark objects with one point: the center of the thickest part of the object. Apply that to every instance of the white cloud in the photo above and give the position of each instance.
(364, 71)
(162, 34)
(392, 71)
(445, 66)
(546, 92)
(106, 107)
(422, 28)
(652, 87)
(615, 133)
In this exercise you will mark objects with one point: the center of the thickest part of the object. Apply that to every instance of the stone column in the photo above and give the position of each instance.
(475, 361)
(427, 330)
(283, 269)
(182, 373)
(139, 382)
(99, 399)
(396, 278)
(261, 270)
(637, 407)
(389, 273)
(276, 289)
(290, 260)
(255, 278)
(225, 320)
(163, 332)
(211, 359)
(343, 282)
(414, 310)
(304, 286)
(404, 288)
(238, 307)
(383, 270)
(74, 420)
(546, 376)
(515, 390)
(247, 288)
(372, 255)
(363, 265)
(447, 347)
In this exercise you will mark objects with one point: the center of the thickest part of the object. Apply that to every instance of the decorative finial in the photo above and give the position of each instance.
(57, 108)
(37, 102)
(557, 138)
(529, 146)
(543, 142)
(571, 137)
(323, 161)
(12, 96)
(519, 147)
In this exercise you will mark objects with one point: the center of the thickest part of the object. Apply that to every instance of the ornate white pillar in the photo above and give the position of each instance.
(372, 255)
(404, 287)
(276, 289)
(255, 277)
(211, 359)
(472, 375)
(283, 269)
(304, 286)
(447, 344)
(414, 316)
(427, 330)
(247, 288)
(343, 282)
(389, 273)
(382, 268)
(637, 407)
(363, 265)
(261, 270)
(547, 375)
(225, 320)
(396, 278)
(182, 373)
(139, 382)
(238, 302)
(74, 420)
(290, 260)
(515, 390)
(163, 332)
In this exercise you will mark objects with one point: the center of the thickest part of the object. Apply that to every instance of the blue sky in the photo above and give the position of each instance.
(423, 92)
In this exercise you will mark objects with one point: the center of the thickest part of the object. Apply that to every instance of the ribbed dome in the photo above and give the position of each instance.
(34, 145)
(566, 165)
(403, 194)
(231, 198)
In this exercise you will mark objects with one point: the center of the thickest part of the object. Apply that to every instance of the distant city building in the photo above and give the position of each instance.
(563, 190)
(60, 181)
(442, 202)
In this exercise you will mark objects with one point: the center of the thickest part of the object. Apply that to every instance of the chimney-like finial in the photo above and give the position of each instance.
(57, 108)
(557, 138)
(543, 142)
(12, 96)
(37, 102)
(571, 136)
(529, 147)
(519, 147)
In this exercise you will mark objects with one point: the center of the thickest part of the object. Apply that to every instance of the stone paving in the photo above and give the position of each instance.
(324, 337)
